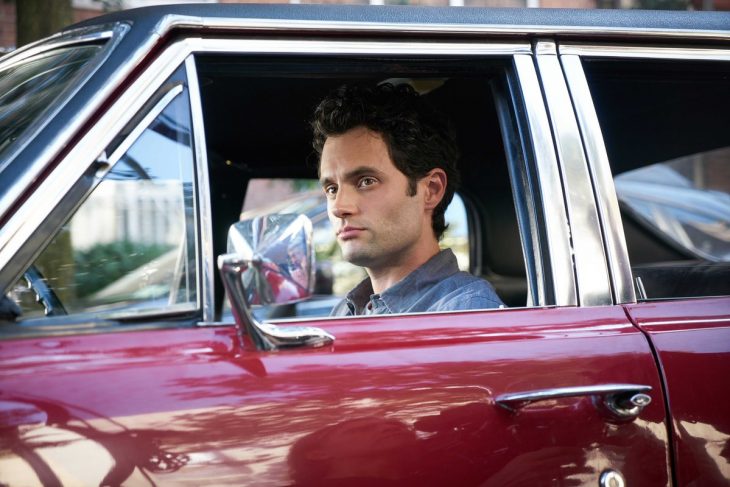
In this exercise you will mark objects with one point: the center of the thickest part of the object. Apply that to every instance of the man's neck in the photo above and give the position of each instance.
(385, 277)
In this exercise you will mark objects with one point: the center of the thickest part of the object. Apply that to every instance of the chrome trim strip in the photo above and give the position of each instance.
(509, 104)
(548, 181)
(203, 214)
(308, 26)
(605, 193)
(44, 45)
(284, 46)
(590, 264)
(679, 321)
(52, 189)
(645, 52)
(168, 309)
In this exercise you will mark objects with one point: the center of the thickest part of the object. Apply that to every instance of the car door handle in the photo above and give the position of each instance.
(622, 401)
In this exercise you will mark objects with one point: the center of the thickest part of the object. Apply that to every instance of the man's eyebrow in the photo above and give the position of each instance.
(354, 174)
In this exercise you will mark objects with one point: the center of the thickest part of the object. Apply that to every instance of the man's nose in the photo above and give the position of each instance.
(344, 204)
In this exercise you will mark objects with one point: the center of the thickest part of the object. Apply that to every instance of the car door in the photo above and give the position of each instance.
(668, 218)
(160, 392)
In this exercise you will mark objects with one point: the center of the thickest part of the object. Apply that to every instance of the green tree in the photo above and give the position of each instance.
(36, 19)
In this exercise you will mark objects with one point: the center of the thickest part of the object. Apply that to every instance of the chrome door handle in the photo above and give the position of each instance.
(622, 401)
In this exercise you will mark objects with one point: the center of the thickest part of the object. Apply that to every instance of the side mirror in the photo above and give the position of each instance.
(270, 260)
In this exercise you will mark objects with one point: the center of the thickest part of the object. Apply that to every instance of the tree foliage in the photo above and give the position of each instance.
(103, 264)
(36, 19)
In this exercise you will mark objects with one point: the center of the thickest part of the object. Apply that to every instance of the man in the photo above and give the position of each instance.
(388, 168)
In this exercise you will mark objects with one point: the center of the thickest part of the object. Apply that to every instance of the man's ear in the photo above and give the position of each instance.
(434, 186)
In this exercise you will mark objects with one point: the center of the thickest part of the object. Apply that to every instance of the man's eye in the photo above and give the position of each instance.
(367, 182)
(330, 190)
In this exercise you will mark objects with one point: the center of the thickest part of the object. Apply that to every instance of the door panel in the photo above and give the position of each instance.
(692, 339)
(397, 400)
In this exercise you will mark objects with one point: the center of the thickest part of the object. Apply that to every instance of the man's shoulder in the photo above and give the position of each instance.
(341, 309)
(463, 291)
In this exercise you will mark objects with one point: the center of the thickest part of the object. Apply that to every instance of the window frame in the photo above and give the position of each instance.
(554, 284)
(554, 281)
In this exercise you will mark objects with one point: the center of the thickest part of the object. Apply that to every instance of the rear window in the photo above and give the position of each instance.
(686, 201)
(32, 87)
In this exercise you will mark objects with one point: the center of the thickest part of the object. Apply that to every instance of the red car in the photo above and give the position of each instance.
(131, 144)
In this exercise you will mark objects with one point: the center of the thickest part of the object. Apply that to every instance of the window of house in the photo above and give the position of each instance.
(667, 134)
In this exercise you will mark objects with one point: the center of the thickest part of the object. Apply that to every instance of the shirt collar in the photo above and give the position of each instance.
(403, 295)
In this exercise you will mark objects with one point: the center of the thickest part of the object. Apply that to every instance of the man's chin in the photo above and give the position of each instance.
(358, 257)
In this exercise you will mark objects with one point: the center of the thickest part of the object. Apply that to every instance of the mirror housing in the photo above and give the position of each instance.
(270, 260)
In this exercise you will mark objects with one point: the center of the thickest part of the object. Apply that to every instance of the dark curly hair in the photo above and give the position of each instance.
(418, 137)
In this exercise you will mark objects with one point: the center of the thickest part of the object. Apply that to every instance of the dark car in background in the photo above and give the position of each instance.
(145, 155)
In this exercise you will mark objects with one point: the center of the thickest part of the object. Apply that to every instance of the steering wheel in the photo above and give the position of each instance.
(45, 295)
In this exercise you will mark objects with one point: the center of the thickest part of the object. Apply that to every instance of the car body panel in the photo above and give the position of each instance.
(406, 401)
(692, 340)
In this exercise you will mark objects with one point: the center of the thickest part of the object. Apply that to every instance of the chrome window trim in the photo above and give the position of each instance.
(204, 223)
(646, 52)
(593, 284)
(319, 47)
(69, 38)
(116, 35)
(549, 185)
(603, 186)
(521, 168)
(170, 22)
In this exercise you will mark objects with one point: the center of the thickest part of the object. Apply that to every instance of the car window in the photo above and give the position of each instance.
(130, 246)
(667, 136)
(257, 112)
(334, 276)
(29, 88)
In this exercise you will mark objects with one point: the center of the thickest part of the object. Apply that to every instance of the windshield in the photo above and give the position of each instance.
(30, 89)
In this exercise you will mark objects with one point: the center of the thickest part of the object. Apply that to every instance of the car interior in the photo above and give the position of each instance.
(256, 112)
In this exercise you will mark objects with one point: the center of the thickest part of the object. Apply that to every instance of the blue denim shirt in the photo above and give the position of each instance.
(438, 285)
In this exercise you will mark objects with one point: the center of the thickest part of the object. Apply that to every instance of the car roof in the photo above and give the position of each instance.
(555, 19)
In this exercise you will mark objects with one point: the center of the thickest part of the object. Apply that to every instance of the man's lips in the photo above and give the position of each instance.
(349, 232)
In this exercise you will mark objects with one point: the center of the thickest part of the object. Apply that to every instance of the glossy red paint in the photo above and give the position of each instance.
(692, 338)
(401, 400)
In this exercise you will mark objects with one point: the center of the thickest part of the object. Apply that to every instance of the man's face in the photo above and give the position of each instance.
(377, 223)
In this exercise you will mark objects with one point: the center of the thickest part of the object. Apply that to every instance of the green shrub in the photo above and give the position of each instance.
(103, 264)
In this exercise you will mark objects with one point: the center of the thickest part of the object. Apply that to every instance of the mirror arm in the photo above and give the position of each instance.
(231, 268)
(263, 335)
